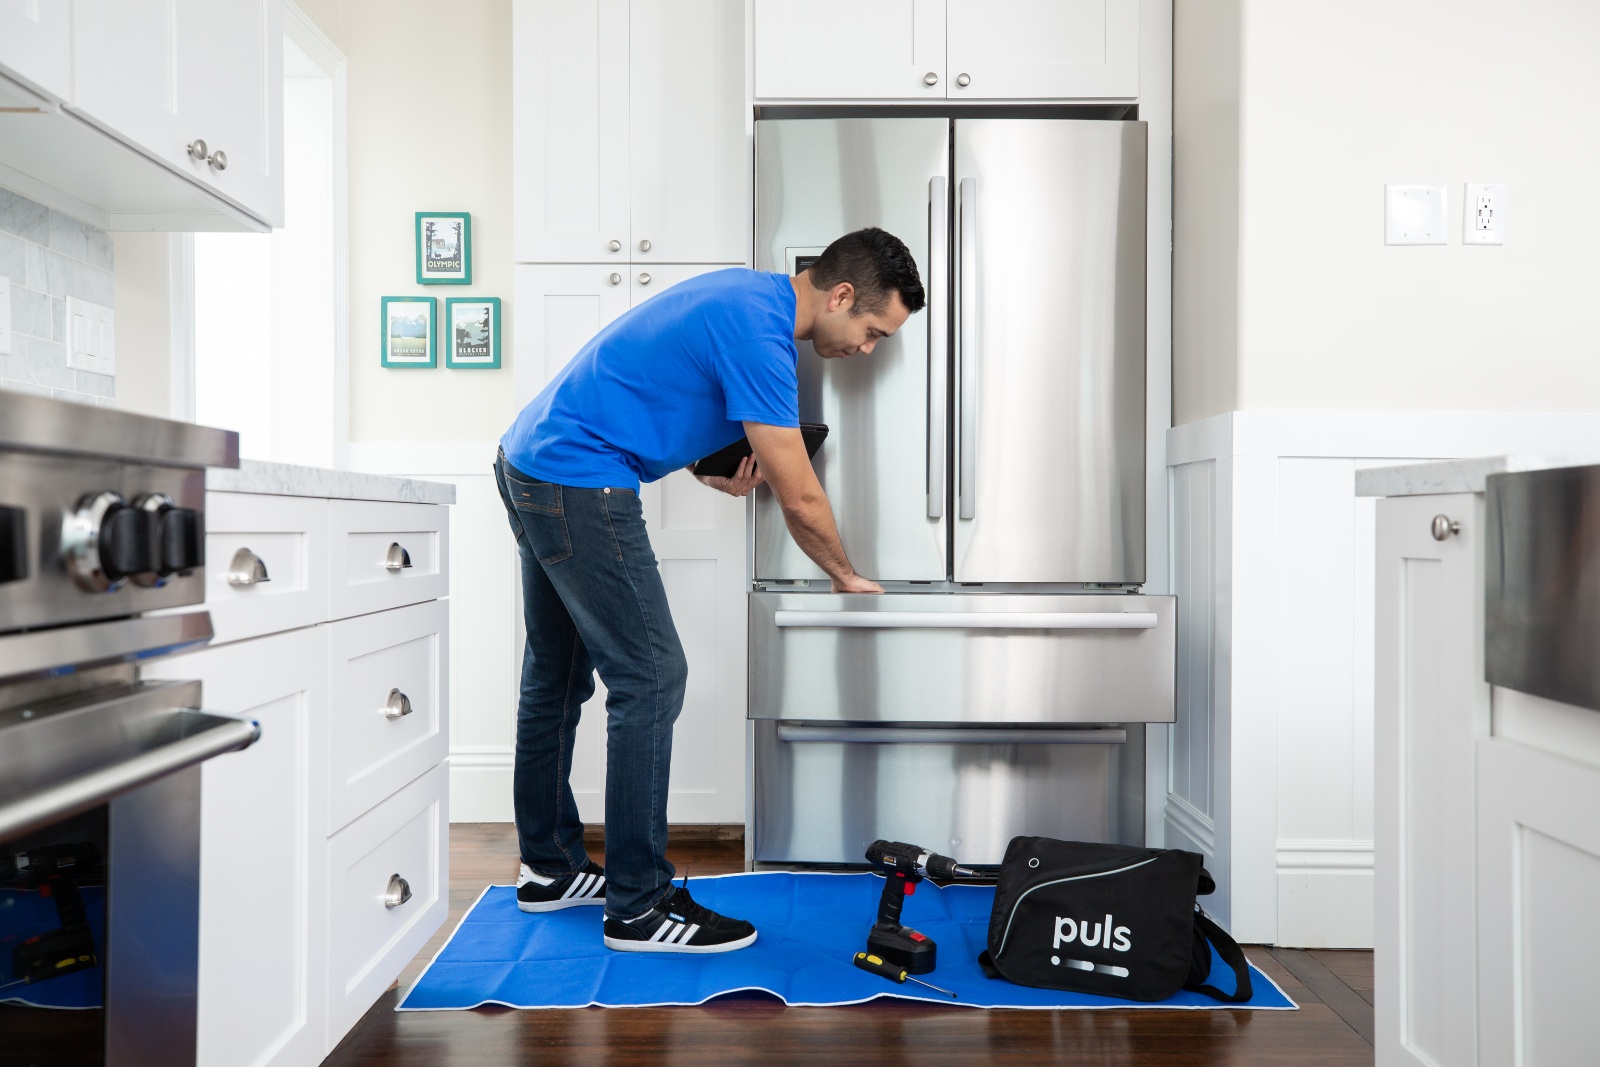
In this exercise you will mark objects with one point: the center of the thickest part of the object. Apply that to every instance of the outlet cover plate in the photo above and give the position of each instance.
(1414, 214)
(5, 315)
(1483, 219)
(91, 330)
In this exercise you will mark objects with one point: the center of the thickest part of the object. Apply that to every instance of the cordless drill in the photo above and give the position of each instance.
(903, 866)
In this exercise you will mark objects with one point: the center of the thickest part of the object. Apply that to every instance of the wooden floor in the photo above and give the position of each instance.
(1333, 1027)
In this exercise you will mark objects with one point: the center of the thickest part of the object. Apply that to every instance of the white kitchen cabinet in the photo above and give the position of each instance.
(162, 75)
(569, 114)
(845, 49)
(628, 131)
(559, 308)
(688, 156)
(36, 45)
(1043, 49)
(263, 924)
(947, 50)
(1431, 708)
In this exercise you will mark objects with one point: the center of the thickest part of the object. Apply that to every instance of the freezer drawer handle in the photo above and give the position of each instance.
(967, 620)
(920, 735)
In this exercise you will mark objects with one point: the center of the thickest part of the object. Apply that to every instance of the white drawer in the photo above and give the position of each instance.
(371, 942)
(289, 535)
(376, 745)
(371, 539)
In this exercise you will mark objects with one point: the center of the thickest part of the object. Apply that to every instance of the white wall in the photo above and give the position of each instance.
(1333, 101)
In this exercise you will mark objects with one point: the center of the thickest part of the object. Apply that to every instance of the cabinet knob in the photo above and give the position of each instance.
(644, 246)
(197, 150)
(215, 160)
(398, 705)
(246, 568)
(218, 160)
(1443, 526)
(644, 279)
(615, 246)
(616, 279)
(963, 80)
(930, 78)
(398, 893)
(397, 558)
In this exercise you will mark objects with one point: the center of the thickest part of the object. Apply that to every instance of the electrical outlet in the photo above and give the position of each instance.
(5, 315)
(91, 331)
(1414, 214)
(1485, 220)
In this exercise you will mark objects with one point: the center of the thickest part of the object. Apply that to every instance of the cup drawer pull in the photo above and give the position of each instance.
(397, 559)
(399, 705)
(247, 569)
(398, 893)
(966, 620)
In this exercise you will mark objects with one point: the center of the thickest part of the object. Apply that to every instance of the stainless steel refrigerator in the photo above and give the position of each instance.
(987, 465)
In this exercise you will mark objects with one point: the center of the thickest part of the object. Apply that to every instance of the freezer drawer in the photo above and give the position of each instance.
(974, 658)
(824, 791)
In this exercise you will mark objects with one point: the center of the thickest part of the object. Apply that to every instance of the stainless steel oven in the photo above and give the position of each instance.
(101, 523)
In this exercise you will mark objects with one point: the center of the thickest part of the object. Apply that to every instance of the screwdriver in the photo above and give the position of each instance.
(893, 973)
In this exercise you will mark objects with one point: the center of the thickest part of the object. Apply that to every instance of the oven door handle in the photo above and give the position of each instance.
(966, 620)
(923, 735)
(163, 736)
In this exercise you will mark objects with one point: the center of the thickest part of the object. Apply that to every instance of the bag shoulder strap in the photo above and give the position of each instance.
(1231, 954)
(987, 963)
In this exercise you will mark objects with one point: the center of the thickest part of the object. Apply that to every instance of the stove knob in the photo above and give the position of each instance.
(177, 539)
(13, 544)
(103, 541)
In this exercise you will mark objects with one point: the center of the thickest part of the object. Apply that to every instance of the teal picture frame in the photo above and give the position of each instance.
(473, 343)
(399, 329)
(443, 242)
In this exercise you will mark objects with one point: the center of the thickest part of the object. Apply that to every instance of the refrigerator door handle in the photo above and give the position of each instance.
(965, 620)
(915, 735)
(938, 337)
(967, 309)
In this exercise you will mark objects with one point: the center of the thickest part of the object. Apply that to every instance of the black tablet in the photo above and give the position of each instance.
(724, 462)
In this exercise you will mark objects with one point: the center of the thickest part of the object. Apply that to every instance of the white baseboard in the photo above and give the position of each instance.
(1325, 909)
(480, 790)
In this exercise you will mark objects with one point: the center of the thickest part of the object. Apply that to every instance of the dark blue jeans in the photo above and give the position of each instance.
(592, 600)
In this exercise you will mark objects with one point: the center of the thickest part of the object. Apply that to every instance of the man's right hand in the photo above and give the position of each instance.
(781, 453)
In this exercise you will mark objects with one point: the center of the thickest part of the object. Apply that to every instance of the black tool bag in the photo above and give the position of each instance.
(1107, 919)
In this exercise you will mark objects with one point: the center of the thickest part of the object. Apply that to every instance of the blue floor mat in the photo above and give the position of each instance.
(810, 928)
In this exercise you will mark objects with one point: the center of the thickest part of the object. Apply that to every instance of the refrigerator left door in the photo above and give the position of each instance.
(883, 465)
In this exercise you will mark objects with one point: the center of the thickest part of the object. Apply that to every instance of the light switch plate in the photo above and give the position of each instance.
(5, 315)
(1414, 214)
(1483, 220)
(91, 333)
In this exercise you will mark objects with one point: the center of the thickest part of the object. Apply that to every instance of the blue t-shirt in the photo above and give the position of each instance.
(665, 384)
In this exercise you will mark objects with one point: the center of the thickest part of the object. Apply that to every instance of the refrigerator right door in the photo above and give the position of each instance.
(1049, 433)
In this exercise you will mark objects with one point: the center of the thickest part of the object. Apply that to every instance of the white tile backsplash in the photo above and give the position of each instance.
(48, 257)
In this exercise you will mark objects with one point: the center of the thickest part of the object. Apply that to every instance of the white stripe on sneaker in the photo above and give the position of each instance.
(599, 886)
(572, 886)
(684, 940)
(664, 930)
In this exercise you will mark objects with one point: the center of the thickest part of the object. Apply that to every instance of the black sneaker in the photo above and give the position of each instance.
(678, 924)
(540, 892)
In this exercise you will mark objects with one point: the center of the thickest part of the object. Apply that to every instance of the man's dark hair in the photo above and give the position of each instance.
(877, 263)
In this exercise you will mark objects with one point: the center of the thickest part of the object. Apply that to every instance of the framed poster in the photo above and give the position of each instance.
(444, 248)
(408, 331)
(472, 332)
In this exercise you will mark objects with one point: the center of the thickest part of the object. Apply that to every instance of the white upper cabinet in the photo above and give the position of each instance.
(36, 44)
(569, 117)
(686, 132)
(628, 131)
(848, 49)
(1043, 49)
(165, 76)
(946, 49)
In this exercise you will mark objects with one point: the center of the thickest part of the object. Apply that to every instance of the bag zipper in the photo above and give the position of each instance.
(1075, 878)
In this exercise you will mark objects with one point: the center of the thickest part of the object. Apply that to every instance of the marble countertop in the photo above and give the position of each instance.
(1456, 475)
(285, 479)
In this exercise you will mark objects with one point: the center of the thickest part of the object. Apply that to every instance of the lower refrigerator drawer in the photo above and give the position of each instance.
(824, 791)
(971, 657)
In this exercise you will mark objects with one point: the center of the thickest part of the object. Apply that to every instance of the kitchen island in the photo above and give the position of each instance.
(1487, 850)
(324, 847)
